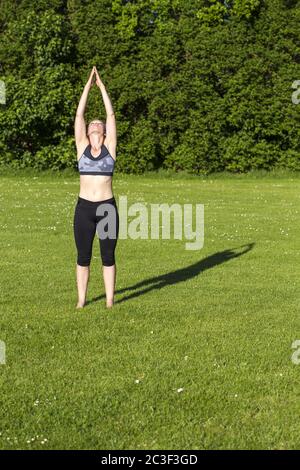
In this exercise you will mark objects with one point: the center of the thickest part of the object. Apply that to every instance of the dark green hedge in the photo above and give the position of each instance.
(200, 86)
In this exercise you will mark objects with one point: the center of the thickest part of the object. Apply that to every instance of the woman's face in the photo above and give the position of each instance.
(95, 131)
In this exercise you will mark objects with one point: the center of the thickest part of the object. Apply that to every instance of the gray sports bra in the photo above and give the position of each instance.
(104, 164)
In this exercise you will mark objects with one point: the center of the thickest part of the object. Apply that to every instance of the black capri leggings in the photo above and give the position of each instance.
(100, 216)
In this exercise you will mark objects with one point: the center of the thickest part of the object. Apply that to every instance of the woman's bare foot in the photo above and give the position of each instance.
(109, 303)
(80, 305)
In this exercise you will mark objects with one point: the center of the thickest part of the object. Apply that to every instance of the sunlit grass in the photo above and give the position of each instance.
(196, 352)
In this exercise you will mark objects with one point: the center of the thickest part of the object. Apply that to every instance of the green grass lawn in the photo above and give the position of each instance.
(218, 323)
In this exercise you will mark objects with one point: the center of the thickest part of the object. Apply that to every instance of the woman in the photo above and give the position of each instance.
(96, 155)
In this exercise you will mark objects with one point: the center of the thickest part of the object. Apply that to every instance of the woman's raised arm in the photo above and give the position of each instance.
(111, 128)
(80, 126)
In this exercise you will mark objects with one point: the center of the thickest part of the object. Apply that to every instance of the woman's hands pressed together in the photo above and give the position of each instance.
(91, 79)
(94, 78)
(99, 82)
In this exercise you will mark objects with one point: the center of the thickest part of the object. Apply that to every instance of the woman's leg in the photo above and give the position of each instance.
(82, 277)
(107, 250)
(109, 277)
(84, 232)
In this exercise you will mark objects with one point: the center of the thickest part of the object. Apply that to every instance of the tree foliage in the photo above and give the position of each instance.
(202, 86)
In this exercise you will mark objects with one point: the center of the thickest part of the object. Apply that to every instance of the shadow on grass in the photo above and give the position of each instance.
(181, 275)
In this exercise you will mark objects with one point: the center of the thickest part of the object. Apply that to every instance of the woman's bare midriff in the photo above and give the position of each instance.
(95, 187)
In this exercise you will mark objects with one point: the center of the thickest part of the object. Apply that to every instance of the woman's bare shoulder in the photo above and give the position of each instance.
(111, 148)
(81, 147)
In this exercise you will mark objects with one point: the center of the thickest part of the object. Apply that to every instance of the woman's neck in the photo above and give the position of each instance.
(97, 145)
